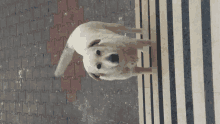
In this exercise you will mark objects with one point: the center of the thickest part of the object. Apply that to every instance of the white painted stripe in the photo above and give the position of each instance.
(154, 61)
(215, 37)
(178, 55)
(146, 55)
(139, 77)
(197, 61)
(165, 62)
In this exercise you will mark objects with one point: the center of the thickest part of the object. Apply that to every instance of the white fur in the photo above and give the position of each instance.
(108, 42)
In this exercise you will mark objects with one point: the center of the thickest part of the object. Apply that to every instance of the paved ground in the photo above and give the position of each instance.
(32, 36)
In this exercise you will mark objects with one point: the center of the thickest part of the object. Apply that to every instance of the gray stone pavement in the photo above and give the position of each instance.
(28, 91)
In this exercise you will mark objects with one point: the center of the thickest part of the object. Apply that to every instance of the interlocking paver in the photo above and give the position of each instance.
(27, 50)
(4, 43)
(37, 98)
(52, 7)
(67, 110)
(50, 71)
(39, 60)
(41, 109)
(70, 71)
(26, 85)
(18, 107)
(9, 20)
(57, 110)
(44, 9)
(40, 24)
(21, 96)
(50, 46)
(79, 69)
(32, 61)
(61, 97)
(25, 5)
(10, 42)
(33, 3)
(45, 96)
(30, 38)
(47, 59)
(18, 62)
(6, 31)
(40, 84)
(32, 109)
(56, 85)
(7, 53)
(53, 97)
(49, 109)
(3, 22)
(45, 120)
(42, 48)
(29, 97)
(48, 85)
(37, 119)
(36, 11)
(24, 40)
(37, 36)
(23, 119)
(41, 1)
(13, 30)
(17, 84)
(18, 7)
(62, 5)
(15, 19)
(17, 41)
(4, 116)
(20, 28)
(25, 108)
(2, 55)
(30, 119)
(25, 62)
(32, 83)
(59, 44)
(33, 25)
(55, 56)
(26, 27)
(1, 12)
(43, 72)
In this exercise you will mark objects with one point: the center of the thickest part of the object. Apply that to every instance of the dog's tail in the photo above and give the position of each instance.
(64, 61)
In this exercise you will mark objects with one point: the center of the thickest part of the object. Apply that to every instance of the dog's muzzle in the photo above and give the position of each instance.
(113, 58)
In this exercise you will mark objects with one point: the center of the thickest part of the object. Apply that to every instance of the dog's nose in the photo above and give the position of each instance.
(114, 58)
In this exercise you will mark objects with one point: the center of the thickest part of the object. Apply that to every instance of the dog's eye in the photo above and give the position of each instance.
(98, 52)
(99, 66)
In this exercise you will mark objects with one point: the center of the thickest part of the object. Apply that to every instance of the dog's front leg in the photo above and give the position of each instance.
(140, 43)
(141, 70)
(130, 30)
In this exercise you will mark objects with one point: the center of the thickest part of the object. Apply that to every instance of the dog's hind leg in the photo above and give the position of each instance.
(64, 61)
(114, 27)
(139, 43)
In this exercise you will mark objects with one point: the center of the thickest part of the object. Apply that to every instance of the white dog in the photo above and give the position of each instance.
(106, 54)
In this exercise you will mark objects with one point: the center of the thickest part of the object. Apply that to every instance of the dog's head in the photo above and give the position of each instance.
(104, 59)
(100, 59)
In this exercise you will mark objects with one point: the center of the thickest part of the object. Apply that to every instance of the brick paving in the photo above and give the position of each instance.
(32, 36)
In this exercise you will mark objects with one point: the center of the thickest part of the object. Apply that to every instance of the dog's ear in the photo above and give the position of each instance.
(95, 76)
(94, 43)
